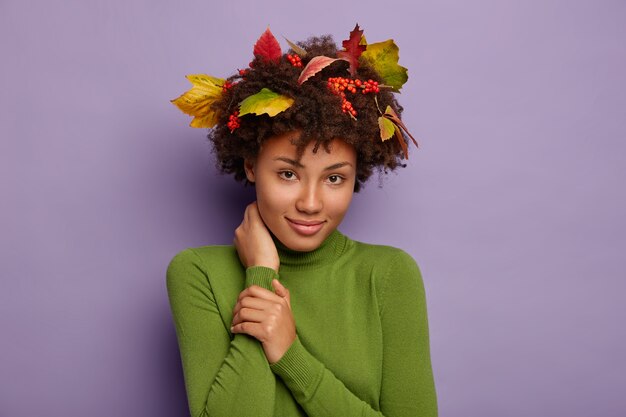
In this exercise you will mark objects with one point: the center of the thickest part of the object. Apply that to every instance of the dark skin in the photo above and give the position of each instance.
(261, 313)
(315, 190)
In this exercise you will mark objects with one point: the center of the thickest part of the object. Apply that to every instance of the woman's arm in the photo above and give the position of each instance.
(223, 377)
(407, 386)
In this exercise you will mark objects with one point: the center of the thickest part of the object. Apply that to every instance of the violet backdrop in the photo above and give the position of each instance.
(513, 206)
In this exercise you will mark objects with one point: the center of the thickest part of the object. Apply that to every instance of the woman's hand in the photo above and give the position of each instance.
(267, 317)
(253, 242)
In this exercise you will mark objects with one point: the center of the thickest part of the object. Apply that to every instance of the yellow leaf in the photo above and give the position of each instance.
(387, 128)
(197, 102)
(265, 101)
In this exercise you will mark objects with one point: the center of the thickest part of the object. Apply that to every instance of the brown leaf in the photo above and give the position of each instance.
(298, 50)
(405, 149)
(391, 115)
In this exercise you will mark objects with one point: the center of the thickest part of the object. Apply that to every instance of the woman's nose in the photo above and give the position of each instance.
(310, 200)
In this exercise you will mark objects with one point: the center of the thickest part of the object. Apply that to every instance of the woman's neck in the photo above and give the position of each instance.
(330, 249)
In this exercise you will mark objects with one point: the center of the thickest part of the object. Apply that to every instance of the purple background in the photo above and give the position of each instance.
(513, 207)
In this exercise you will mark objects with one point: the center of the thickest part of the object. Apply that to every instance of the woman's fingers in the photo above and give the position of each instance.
(281, 291)
(266, 316)
(253, 241)
(251, 302)
(248, 314)
(251, 328)
(260, 292)
(253, 213)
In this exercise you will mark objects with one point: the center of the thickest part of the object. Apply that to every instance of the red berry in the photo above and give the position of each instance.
(233, 121)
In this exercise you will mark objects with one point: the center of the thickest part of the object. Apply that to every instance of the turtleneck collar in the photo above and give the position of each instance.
(330, 249)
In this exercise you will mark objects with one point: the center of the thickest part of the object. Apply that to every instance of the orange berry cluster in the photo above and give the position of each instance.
(295, 60)
(338, 85)
(233, 121)
(243, 72)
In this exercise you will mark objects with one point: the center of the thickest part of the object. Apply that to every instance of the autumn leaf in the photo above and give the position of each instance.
(265, 101)
(392, 117)
(197, 102)
(297, 49)
(383, 58)
(314, 66)
(267, 47)
(353, 49)
(387, 128)
(402, 143)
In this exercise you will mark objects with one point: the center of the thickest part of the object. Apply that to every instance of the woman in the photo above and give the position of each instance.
(296, 319)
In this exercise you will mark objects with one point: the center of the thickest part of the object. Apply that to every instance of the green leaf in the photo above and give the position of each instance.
(383, 57)
(265, 101)
(387, 128)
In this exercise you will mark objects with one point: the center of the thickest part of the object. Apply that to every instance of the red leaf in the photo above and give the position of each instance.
(267, 47)
(314, 66)
(353, 49)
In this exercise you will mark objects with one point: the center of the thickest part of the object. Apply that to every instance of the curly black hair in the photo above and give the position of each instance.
(316, 113)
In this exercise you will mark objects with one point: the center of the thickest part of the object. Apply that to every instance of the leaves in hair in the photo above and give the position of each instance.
(297, 49)
(392, 116)
(265, 102)
(353, 49)
(387, 128)
(383, 58)
(314, 66)
(197, 102)
(267, 47)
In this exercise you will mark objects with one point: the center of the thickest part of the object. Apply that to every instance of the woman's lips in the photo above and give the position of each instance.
(306, 228)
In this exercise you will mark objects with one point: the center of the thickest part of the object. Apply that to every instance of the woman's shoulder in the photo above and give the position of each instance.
(202, 260)
(385, 262)
(389, 267)
(205, 254)
(380, 253)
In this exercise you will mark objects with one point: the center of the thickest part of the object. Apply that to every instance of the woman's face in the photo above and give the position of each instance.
(302, 201)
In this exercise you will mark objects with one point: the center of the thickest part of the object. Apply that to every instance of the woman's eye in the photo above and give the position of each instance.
(287, 175)
(335, 179)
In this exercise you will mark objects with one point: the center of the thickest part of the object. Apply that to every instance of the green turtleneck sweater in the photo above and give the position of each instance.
(362, 344)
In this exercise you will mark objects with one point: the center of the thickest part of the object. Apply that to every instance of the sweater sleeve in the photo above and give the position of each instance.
(216, 368)
(407, 386)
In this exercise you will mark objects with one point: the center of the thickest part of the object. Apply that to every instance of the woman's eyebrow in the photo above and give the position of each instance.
(337, 166)
(297, 164)
(293, 162)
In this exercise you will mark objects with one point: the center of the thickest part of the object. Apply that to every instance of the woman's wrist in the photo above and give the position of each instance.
(265, 263)
(261, 276)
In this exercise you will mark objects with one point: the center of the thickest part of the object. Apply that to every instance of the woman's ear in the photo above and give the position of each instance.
(249, 166)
